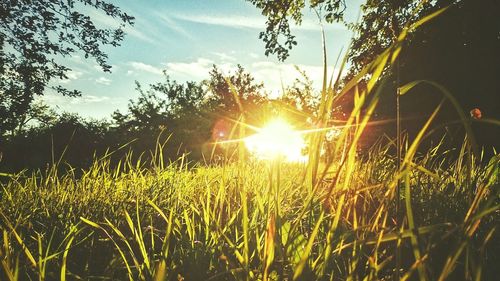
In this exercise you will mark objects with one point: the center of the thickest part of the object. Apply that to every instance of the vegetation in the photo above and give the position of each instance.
(431, 214)
(35, 36)
(183, 114)
(254, 221)
(447, 50)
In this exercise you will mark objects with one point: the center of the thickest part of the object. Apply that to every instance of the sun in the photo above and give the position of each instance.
(277, 140)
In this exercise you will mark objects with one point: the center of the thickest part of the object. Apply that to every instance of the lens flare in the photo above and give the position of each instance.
(277, 140)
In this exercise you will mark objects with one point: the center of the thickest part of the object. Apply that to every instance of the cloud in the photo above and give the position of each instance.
(143, 67)
(135, 32)
(253, 55)
(253, 22)
(272, 74)
(74, 74)
(71, 76)
(60, 101)
(172, 25)
(233, 21)
(224, 56)
(86, 99)
(197, 70)
(105, 21)
(103, 81)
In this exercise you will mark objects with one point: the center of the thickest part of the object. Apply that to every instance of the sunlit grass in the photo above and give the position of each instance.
(333, 219)
(138, 224)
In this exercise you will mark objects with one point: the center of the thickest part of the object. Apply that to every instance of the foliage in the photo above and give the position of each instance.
(222, 99)
(458, 50)
(301, 96)
(445, 51)
(65, 138)
(327, 220)
(170, 222)
(183, 116)
(280, 13)
(34, 35)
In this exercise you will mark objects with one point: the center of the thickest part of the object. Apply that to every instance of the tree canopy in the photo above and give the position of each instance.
(278, 37)
(34, 35)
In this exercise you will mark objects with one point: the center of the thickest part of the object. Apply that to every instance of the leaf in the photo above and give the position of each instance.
(307, 251)
(269, 245)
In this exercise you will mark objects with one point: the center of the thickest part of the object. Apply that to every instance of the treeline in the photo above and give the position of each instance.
(185, 118)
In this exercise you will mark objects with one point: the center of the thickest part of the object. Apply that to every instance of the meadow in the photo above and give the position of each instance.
(254, 221)
(391, 212)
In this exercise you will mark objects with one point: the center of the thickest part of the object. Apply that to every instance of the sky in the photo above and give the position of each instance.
(185, 38)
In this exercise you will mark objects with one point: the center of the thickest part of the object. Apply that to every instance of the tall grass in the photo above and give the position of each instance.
(250, 220)
(171, 223)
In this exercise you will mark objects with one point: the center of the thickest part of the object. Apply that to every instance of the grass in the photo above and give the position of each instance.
(175, 223)
(250, 220)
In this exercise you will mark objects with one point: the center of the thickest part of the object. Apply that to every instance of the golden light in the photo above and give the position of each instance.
(277, 140)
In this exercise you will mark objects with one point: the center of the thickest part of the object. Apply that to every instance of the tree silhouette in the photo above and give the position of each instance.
(458, 49)
(278, 37)
(224, 101)
(34, 35)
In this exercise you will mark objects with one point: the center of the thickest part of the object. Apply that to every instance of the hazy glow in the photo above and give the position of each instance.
(276, 140)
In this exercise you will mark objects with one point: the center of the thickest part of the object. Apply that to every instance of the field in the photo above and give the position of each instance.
(407, 212)
(253, 221)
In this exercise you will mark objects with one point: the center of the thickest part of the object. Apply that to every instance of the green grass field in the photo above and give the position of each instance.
(254, 221)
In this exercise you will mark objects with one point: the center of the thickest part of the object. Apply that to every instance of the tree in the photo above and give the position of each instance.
(65, 138)
(458, 49)
(34, 34)
(166, 110)
(39, 113)
(186, 113)
(246, 91)
(278, 38)
(145, 116)
(300, 97)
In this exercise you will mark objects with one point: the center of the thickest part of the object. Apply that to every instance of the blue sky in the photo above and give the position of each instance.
(186, 38)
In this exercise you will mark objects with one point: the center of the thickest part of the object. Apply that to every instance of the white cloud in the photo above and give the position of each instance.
(274, 75)
(71, 76)
(172, 25)
(86, 99)
(224, 56)
(252, 22)
(137, 33)
(197, 70)
(143, 67)
(103, 81)
(253, 55)
(74, 74)
(63, 102)
(234, 21)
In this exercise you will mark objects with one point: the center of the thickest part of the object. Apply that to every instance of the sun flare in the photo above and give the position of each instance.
(277, 140)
